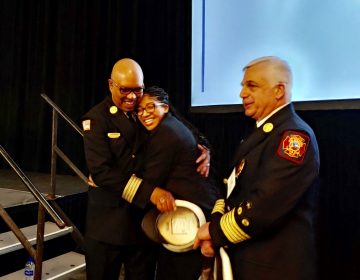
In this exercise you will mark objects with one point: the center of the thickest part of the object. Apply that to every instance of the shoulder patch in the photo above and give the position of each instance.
(86, 124)
(293, 146)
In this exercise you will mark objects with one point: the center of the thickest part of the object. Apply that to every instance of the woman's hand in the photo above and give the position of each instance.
(163, 200)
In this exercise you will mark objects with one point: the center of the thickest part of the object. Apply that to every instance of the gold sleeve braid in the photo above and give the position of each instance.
(131, 188)
(231, 229)
(219, 207)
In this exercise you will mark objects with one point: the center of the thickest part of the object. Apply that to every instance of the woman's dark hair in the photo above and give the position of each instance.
(157, 92)
(161, 95)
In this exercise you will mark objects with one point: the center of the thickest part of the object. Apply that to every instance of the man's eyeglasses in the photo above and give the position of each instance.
(150, 108)
(125, 90)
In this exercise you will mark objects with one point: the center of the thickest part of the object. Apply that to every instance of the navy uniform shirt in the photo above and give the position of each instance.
(110, 141)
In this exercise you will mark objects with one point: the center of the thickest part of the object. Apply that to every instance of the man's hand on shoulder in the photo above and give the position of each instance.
(203, 161)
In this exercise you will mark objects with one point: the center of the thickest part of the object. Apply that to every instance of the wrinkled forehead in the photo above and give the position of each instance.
(256, 75)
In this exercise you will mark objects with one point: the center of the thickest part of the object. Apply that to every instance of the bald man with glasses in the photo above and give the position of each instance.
(113, 225)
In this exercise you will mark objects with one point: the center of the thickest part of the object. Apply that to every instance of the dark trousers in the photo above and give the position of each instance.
(178, 266)
(104, 261)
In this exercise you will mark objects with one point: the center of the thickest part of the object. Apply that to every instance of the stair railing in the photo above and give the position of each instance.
(55, 152)
(44, 205)
(47, 204)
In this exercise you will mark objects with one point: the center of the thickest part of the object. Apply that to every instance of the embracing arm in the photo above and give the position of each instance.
(156, 163)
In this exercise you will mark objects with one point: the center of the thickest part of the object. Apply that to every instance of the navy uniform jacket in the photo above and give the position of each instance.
(109, 138)
(168, 161)
(267, 221)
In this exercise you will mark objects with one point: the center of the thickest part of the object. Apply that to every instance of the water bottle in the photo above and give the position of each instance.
(29, 271)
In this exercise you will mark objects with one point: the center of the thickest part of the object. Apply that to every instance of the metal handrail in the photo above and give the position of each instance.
(38, 195)
(43, 206)
(61, 154)
(18, 233)
(56, 151)
(43, 203)
(66, 118)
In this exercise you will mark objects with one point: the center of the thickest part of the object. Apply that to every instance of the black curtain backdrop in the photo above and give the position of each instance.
(66, 49)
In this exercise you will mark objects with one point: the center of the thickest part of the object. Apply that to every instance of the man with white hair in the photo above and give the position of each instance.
(266, 221)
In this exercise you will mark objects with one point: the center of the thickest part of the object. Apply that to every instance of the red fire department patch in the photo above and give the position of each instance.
(293, 146)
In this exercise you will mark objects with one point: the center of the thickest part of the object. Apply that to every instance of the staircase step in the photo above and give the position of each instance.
(9, 242)
(55, 268)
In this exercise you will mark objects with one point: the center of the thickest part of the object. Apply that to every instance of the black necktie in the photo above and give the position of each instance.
(130, 116)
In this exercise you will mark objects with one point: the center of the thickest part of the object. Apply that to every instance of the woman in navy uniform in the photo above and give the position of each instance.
(266, 221)
(168, 161)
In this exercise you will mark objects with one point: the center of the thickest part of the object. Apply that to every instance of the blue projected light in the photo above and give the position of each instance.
(319, 39)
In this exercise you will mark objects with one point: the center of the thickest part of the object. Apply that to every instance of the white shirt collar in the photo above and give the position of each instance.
(260, 123)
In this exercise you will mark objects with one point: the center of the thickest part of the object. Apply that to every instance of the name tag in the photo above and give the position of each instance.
(113, 135)
(231, 181)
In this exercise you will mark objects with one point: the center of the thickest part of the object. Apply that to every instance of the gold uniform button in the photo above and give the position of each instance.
(113, 109)
(225, 181)
(245, 222)
(268, 127)
(239, 211)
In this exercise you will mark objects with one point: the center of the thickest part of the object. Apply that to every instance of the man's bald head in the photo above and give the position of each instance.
(127, 70)
(126, 84)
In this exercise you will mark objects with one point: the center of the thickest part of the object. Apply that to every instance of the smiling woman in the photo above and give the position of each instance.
(168, 160)
(151, 112)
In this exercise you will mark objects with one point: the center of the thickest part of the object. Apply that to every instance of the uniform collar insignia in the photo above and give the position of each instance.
(268, 127)
(113, 110)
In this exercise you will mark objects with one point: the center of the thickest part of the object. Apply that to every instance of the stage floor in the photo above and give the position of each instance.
(13, 191)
